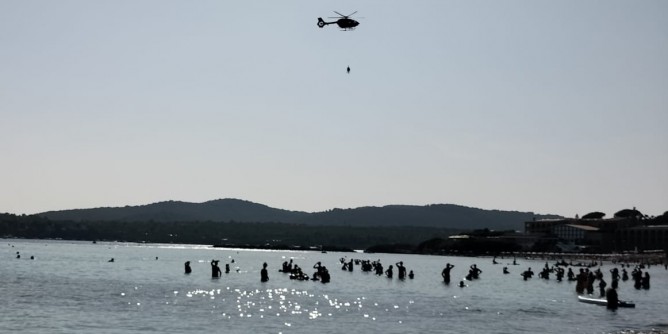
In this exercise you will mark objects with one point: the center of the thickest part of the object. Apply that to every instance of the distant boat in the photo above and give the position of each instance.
(604, 302)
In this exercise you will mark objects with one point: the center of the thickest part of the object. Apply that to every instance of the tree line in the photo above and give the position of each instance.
(216, 233)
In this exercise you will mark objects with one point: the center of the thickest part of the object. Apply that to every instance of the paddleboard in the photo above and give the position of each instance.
(604, 302)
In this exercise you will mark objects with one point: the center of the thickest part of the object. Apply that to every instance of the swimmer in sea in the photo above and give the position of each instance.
(215, 270)
(446, 273)
(324, 274)
(527, 274)
(601, 287)
(264, 276)
(388, 272)
(401, 269)
(187, 266)
(612, 299)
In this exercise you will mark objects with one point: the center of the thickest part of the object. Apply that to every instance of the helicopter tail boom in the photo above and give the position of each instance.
(322, 23)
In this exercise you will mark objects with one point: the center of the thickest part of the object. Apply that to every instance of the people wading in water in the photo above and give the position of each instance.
(187, 265)
(401, 269)
(446, 273)
(215, 269)
(264, 275)
(389, 272)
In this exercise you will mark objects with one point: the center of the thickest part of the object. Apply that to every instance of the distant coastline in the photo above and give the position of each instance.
(289, 248)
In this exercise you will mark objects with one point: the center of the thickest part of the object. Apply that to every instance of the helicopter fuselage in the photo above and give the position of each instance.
(343, 23)
(347, 23)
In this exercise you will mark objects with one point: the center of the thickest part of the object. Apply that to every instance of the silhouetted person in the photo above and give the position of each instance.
(411, 275)
(581, 282)
(645, 281)
(590, 283)
(187, 265)
(473, 273)
(348, 69)
(612, 299)
(324, 275)
(389, 272)
(527, 274)
(264, 276)
(401, 270)
(446, 273)
(601, 288)
(615, 274)
(215, 270)
(379, 268)
(560, 273)
(545, 273)
(461, 284)
(18, 256)
(227, 268)
(637, 278)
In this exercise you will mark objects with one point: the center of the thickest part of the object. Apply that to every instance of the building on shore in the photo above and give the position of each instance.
(641, 238)
(628, 230)
(578, 234)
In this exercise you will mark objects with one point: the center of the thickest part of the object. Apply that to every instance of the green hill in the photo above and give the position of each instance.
(234, 210)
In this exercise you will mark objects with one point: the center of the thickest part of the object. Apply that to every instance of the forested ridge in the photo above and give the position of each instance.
(228, 210)
(235, 222)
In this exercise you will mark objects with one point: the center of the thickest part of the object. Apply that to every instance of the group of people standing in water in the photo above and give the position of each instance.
(296, 273)
(321, 272)
(473, 274)
(377, 268)
(585, 280)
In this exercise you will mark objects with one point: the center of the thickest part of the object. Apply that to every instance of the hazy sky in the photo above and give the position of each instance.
(546, 106)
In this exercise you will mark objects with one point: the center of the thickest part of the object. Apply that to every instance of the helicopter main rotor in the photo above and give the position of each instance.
(343, 16)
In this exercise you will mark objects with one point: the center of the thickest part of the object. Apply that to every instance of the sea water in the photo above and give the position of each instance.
(70, 287)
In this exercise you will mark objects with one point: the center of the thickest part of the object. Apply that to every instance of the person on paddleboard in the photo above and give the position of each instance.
(612, 298)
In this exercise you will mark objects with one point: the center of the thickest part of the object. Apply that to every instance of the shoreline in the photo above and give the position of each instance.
(647, 257)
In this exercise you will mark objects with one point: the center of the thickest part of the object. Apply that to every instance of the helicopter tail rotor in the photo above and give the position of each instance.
(321, 22)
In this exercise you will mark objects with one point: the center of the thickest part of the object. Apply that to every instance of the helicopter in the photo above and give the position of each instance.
(344, 21)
